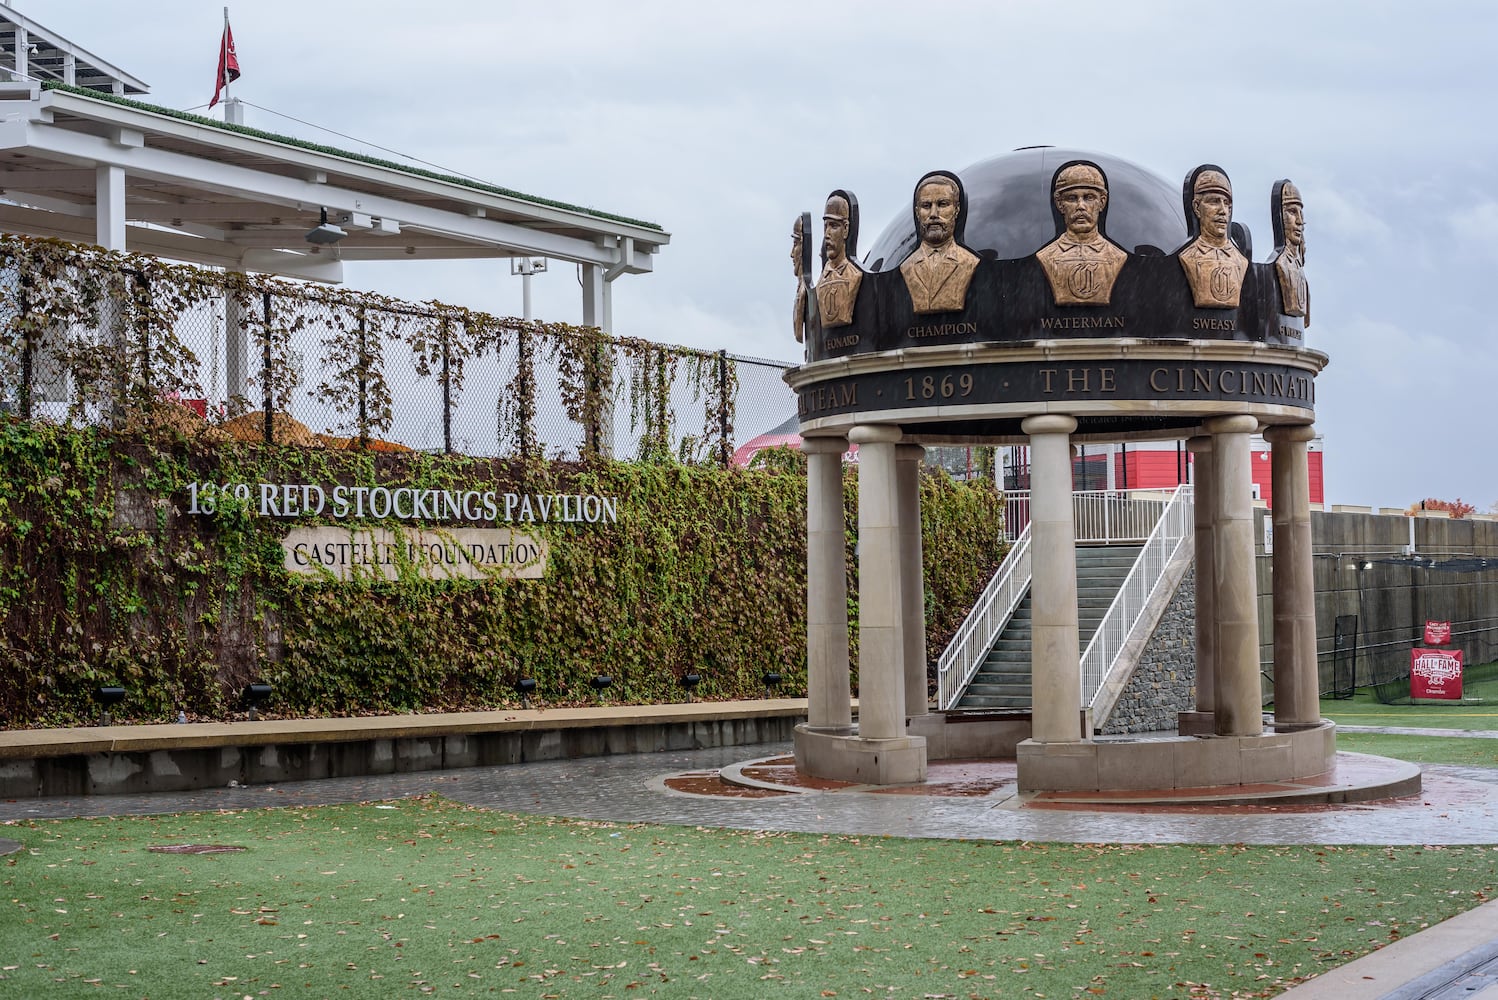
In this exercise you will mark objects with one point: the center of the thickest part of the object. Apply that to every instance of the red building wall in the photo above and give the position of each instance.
(1159, 469)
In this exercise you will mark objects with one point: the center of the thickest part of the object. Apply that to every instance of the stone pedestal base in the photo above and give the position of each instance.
(1194, 723)
(897, 761)
(965, 735)
(1180, 762)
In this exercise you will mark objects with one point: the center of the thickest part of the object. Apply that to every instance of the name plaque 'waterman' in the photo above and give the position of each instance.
(445, 554)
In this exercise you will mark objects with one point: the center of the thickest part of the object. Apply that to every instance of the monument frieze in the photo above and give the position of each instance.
(1098, 249)
(1118, 380)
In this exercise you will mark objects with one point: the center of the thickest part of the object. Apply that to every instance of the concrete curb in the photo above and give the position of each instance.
(1415, 966)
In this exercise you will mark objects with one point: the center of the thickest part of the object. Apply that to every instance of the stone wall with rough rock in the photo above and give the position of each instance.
(1164, 681)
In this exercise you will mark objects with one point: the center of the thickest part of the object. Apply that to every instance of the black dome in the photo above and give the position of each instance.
(1009, 208)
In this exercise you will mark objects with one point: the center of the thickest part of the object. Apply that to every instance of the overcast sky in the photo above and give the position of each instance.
(721, 122)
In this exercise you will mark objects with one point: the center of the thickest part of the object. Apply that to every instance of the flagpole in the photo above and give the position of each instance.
(222, 43)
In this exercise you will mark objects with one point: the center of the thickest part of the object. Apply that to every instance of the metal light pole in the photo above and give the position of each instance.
(525, 267)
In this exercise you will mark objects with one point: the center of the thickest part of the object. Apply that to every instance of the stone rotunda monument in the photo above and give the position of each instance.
(1052, 298)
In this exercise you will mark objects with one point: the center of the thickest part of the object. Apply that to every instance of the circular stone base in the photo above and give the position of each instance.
(1352, 778)
(1176, 762)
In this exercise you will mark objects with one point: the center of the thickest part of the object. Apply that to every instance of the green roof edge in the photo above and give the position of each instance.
(344, 154)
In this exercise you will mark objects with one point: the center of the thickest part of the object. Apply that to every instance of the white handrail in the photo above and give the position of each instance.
(1175, 526)
(960, 660)
(1098, 515)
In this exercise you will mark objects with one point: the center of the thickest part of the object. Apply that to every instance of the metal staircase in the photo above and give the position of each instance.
(1003, 678)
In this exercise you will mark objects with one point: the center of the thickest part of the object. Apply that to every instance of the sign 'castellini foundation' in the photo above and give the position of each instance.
(1050, 299)
(385, 532)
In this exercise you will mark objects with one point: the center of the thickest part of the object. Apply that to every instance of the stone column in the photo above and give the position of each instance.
(881, 643)
(829, 696)
(1239, 708)
(1206, 579)
(1055, 656)
(908, 459)
(1297, 686)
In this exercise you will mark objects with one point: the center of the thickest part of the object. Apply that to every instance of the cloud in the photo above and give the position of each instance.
(721, 122)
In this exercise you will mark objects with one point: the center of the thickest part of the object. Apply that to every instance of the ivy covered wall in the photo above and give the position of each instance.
(105, 577)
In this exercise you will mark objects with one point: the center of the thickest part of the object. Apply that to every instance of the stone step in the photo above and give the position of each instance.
(1003, 678)
(984, 701)
(1001, 674)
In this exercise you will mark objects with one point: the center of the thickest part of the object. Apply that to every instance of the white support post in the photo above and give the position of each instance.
(109, 228)
(236, 355)
(594, 306)
(109, 206)
(70, 69)
(23, 55)
(593, 286)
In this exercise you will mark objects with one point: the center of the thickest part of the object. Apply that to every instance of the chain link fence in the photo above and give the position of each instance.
(92, 336)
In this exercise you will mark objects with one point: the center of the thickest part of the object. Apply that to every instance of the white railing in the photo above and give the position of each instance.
(960, 660)
(1174, 528)
(1099, 516)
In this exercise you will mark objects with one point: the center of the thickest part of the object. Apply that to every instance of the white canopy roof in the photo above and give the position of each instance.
(40, 54)
(213, 193)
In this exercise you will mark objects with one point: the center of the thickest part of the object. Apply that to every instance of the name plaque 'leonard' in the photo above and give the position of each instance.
(432, 554)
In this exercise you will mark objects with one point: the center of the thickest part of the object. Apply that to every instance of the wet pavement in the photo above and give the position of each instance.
(1456, 806)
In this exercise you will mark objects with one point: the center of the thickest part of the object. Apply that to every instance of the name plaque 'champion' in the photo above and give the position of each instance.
(381, 554)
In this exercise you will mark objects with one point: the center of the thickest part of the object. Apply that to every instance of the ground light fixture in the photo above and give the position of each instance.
(107, 697)
(525, 687)
(254, 696)
(772, 680)
(601, 682)
(690, 681)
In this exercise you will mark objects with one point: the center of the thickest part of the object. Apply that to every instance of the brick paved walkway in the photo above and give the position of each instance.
(1458, 805)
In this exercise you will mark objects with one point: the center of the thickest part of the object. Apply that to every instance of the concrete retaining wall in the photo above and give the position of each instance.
(1395, 595)
(137, 759)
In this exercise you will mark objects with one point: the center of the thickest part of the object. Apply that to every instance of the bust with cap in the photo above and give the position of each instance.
(1288, 213)
(1214, 266)
(837, 288)
(1081, 264)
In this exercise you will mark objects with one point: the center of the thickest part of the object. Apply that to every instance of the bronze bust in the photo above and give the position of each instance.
(1288, 212)
(1214, 266)
(798, 312)
(938, 272)
(837, 288)
(1081, 264)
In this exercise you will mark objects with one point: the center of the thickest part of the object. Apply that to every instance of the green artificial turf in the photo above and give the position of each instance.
(432, 897)
(1462, 751)
(1477, 711)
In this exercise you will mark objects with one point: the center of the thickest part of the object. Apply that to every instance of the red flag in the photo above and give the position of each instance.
(228, 64)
